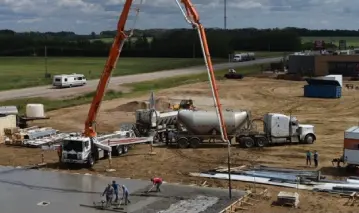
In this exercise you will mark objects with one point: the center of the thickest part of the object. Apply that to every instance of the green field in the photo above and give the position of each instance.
(137, 89)
(21, 72)
(351, 41)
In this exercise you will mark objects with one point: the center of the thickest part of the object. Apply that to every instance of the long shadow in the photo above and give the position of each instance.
(72, 167)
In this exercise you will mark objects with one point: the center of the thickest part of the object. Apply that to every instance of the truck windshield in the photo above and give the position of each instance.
(72, 145)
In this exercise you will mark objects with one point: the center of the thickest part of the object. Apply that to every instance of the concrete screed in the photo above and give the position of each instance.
(23, 190)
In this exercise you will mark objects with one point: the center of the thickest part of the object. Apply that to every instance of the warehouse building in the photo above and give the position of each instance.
(7, 119)
(320, 65)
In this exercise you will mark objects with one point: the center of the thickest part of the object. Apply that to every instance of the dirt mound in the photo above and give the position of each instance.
(161, 103)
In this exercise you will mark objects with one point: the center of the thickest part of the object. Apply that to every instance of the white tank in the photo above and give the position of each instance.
(154, 118)
(35, 111)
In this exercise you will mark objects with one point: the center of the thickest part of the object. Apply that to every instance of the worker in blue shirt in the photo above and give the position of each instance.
(125, 194)
(115, 189)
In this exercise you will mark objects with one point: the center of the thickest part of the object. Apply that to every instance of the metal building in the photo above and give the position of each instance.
(301, 64)
(320, 65)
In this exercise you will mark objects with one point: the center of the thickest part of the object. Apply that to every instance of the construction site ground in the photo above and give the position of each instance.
(258, 94)
(64, 192)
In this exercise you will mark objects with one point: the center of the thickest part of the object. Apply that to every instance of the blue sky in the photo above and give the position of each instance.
(85, 16)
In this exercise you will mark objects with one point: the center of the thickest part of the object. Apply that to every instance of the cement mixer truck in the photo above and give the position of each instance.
(198, 126)
(154, 123)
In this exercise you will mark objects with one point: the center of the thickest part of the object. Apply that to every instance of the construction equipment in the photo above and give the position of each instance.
(184, 104)
(87, 148)
(197, 126)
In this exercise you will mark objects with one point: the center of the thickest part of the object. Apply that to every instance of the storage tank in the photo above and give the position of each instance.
(204, 122)
(155, 118)
(35, 111)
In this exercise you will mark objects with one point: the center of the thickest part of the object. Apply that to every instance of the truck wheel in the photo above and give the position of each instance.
(182, 143)
(125, 149)
(194, 143)
(309, 139)
(261, 141)
(247, 142)
(119, 150)
(90, 161)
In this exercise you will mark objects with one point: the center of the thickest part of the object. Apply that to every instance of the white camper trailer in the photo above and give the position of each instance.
(70, 80)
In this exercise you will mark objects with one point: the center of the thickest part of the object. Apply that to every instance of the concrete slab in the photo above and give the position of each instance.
(23, 190)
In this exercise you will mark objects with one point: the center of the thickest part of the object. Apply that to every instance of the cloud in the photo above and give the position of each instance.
(85, 16)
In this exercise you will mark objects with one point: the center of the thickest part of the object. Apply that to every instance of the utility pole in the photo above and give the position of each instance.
(225, 14)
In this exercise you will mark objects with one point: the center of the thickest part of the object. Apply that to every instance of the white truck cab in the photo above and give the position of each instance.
(282, 128)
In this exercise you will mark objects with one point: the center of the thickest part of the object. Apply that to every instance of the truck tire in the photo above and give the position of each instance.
(118, 151)
(194, 143)
(182, 143)
(247, 142)
(90, 161)
(124, 149)
(309, 139)
(261, 141)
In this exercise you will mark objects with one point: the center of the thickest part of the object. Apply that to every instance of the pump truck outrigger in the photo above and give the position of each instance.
(87, 148)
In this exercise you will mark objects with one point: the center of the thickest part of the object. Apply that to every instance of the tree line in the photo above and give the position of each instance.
(182, 43)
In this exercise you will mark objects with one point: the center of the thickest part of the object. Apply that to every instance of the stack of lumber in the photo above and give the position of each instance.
(288, 198)
(13, 136)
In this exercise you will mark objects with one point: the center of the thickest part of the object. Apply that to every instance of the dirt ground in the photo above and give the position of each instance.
(260, 95)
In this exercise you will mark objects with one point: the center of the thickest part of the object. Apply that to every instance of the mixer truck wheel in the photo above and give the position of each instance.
(261, 141)
(182, 143)
(247, 142)
(194, 143)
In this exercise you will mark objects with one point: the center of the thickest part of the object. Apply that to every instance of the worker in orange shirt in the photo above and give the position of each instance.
(157, 182)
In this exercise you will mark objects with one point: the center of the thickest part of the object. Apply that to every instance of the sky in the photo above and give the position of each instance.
(86, 16)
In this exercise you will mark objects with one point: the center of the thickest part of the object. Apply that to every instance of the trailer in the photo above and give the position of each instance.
(196, 127)
(85, 150)
(351, 147)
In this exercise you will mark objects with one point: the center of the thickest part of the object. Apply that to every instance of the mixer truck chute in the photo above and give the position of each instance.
(198, 126)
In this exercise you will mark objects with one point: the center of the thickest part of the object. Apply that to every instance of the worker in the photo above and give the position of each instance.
(316, 158)
(125, 194)
(109, 194)
(115, 189)
(157, 182)
(309, 158)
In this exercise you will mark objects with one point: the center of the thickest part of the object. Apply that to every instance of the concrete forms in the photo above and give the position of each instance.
(329, 86)
(319, 65)
(65, 192)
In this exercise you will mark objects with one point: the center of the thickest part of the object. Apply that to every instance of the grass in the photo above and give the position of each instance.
(22, 72)
(137, 89)
(351, 41)
(264, 54)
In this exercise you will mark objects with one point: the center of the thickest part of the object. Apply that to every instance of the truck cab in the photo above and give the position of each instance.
(76, 149)
(282, 128)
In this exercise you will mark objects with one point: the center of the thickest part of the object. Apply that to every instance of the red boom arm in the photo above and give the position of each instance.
(115, 51)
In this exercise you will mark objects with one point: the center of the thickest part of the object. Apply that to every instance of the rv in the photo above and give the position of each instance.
(70, 80)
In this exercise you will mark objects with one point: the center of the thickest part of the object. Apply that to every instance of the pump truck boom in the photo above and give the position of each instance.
(87, 148)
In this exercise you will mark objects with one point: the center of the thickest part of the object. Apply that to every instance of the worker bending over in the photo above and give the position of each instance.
(125, 194)
(109, 194)
(157, 182)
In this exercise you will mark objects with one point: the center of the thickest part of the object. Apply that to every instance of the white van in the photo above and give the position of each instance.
(70, 80)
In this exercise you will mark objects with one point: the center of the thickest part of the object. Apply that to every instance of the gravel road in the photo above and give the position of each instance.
(48, 91)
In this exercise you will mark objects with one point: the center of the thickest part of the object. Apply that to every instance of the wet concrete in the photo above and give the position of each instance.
(21, 190)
